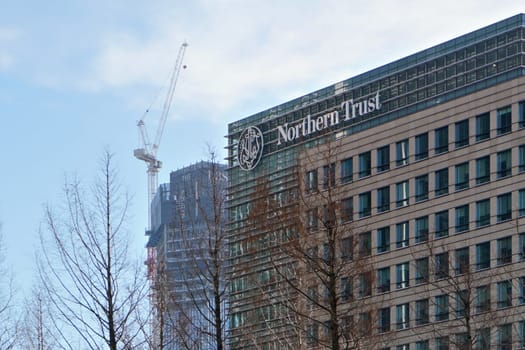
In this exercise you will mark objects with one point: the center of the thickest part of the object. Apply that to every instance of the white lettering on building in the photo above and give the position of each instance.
(310, 125)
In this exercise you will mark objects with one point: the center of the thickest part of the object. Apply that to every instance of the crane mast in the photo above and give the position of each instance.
(148, 152)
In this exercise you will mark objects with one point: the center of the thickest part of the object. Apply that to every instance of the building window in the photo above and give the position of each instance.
(441, 182)
(383, 280)
(441, 307)
(365, 205)
(365, 165)
(462, 133)
(402, 275)
(383, 239)
(421, 188)
(365, 284)
(347, 170)
(521, 159)
(402, 194)
(483, 213)
(347, 248)
(504, 246)
(461, 176)
(441, 224)
(402, 234)
(383, 199)
(504, 294)
(422, 229)
(312, 219)
(401, 347)
(383, 318)
(505, 337)
(521, 288)
(422, 270)
(402, 153)
(483, 127)
(483, 339)
(346, 288)
(328, 176)
(383, 158)
(422, 345)
(462, 261)
(347, 324)
(237, 319)
(504, 163)
(442, 343)
(504, 207)
(364, 324)
(311, 181)
(347, 209)
(441, 268)
(521, 203)
(504, 120)
(365, 244)
(462, 218)
(521, 117)
(462, 302)
(483, 256)
(312, 297)
(441, 140)
(462, 341)
(327, 253)
(312, 333)
(402, 316)
(422, 312)
(521, 334)
(522, 246)
(482, 170)
(483, 299)
(421, 146)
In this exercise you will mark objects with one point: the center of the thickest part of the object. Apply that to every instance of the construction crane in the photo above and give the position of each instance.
(148, 151)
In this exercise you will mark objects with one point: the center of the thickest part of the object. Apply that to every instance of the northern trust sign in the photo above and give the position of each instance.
(309, 125)
(250, 146)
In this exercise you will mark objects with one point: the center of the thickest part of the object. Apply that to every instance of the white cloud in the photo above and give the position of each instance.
(241, 51)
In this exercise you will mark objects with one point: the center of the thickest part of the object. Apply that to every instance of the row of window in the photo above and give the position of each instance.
(443, 223)
(436, 267)
(483, 339)
(446, 306)
(441, 181)
(442, 144)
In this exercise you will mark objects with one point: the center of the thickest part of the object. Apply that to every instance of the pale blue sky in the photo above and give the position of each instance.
(75, 76)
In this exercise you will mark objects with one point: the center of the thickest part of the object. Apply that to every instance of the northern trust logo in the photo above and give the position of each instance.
(250, 148)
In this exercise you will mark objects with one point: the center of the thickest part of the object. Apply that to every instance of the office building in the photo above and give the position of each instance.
(425, 159)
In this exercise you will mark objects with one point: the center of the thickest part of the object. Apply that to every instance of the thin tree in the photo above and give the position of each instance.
(313, 259)
(92, 284)
(8, 320)
(38, 326)
(460, 291)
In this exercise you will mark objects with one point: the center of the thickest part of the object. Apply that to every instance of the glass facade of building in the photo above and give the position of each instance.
(413, 160)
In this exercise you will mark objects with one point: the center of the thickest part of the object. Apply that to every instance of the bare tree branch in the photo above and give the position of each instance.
(85, 270)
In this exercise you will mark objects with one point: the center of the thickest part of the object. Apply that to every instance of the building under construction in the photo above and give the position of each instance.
(183, 214)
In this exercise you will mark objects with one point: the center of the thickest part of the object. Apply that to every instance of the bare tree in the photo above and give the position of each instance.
(192, 278)
(8, 319)
(92, 284)
(461, 289)
(317, 254)
(38, 326)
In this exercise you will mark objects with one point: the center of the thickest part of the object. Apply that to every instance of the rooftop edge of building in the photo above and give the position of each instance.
(425, 55)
